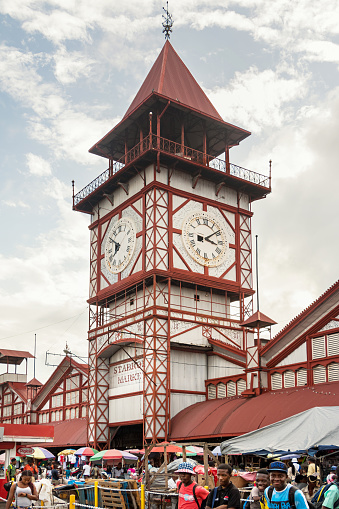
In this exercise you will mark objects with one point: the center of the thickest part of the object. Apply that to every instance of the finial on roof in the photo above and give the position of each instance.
(67, 350)
(167, 23)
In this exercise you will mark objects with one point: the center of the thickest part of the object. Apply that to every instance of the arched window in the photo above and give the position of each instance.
(289, 378)
(301, 377)
(333, 372)
(231, 389)
(211, 391)
(319, 374)
(276, 381)
(241, 386)
(221, 390)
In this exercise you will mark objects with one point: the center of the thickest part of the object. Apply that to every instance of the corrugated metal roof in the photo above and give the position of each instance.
(236, 416)
(72, 432)
(170, 77)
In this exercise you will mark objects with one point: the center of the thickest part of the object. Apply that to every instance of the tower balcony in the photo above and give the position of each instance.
(200, 164)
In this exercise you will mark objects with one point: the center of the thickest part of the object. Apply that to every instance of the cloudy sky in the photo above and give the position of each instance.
(69, 70)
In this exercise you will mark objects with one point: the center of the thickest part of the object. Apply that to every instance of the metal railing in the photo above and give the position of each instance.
(153, 142)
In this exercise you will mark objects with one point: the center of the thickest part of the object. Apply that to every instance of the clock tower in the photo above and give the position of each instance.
(170, 266)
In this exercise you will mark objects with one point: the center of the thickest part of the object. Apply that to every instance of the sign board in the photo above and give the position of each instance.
(24, 451)
(126, 374)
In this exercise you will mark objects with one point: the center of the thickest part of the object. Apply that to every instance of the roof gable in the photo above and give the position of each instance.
(170, 77)
(313, 319)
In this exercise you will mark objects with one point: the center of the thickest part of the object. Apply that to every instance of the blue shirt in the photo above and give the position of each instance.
(280, 499)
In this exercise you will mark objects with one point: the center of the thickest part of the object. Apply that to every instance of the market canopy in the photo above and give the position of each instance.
(317, 427)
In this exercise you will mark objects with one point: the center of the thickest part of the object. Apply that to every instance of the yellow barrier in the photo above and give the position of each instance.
(71, 502)
(96, 484)
(42, 503)
(142, 495)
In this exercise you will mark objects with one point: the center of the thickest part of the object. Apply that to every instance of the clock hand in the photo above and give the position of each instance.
(209, 236)
(209, 240)
(117, 245)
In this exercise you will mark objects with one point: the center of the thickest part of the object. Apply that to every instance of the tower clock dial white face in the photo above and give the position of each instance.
(120, 245)
(205, 239)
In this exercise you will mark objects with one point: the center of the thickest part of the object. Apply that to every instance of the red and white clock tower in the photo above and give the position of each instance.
(170, 268)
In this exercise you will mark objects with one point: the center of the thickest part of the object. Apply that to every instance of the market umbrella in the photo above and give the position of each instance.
(40, 453)
(113, 454)
(169, 448)
(192, 450)
(66, 452)
(85, 451)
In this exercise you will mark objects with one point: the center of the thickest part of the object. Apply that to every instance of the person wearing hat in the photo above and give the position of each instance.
(190, 495)
(226, 496)
(281, 495)
(331, 499)
(331, 476)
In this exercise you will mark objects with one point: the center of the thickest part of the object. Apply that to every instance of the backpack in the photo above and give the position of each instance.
(318, 498)
(291, 497)
(203, 502)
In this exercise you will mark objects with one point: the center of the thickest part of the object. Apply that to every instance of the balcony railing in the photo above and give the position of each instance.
(152, 142)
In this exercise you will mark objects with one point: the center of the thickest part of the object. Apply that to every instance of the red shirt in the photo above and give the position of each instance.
(32, 468)
(186, 498)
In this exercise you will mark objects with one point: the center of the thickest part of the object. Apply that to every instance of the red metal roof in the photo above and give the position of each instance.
(72, 432)
(170, 77)
(34, 382)
(20, 389)
(235, 416)
(14, 356)
(258, 319)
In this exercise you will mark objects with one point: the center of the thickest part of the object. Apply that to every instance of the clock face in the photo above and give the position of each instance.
(120, 245)
(205, 239)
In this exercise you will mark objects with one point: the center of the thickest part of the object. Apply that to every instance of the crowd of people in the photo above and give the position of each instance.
(280, 486)
(274, 489)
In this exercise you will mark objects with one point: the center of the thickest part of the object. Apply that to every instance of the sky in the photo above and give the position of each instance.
(69, 69)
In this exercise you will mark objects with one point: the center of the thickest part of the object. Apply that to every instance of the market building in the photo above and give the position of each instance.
(60, 402)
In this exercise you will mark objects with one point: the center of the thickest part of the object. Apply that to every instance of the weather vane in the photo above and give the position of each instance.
(167, 23)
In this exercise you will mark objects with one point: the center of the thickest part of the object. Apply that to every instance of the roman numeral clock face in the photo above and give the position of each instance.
(205, 239)
(120, 245)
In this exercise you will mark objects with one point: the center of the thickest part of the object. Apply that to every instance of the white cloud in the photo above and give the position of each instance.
(258, 99)
(38, 166)
(15, 204)
(70, 66)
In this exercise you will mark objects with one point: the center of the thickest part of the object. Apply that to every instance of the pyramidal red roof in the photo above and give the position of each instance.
(170, 77)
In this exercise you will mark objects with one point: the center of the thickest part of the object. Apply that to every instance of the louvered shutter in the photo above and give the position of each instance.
(211, 391)
(301, 376)
(241, 386)
(333, 372)
(319, 374)
(333, 344)
(231, 389)
(289, 379)
(318, 348)
(221, 390)
(276, 381)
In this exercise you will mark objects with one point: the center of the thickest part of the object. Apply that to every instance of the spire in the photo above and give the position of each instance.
(170, 77)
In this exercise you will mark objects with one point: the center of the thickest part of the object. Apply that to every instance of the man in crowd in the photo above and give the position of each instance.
(32, 468)
(86, 469)
(278, 496)
(262, 481)
(190, 495)
(226, 496)
(11, 470)
(331, 500)
(55, 475)
(312, 467)
(310, 488)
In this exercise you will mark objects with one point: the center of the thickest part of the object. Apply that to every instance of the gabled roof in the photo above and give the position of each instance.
(309, 321)
(65, 366)
(20, 389)
(72, 432)
(35, 383)
(170, 77)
